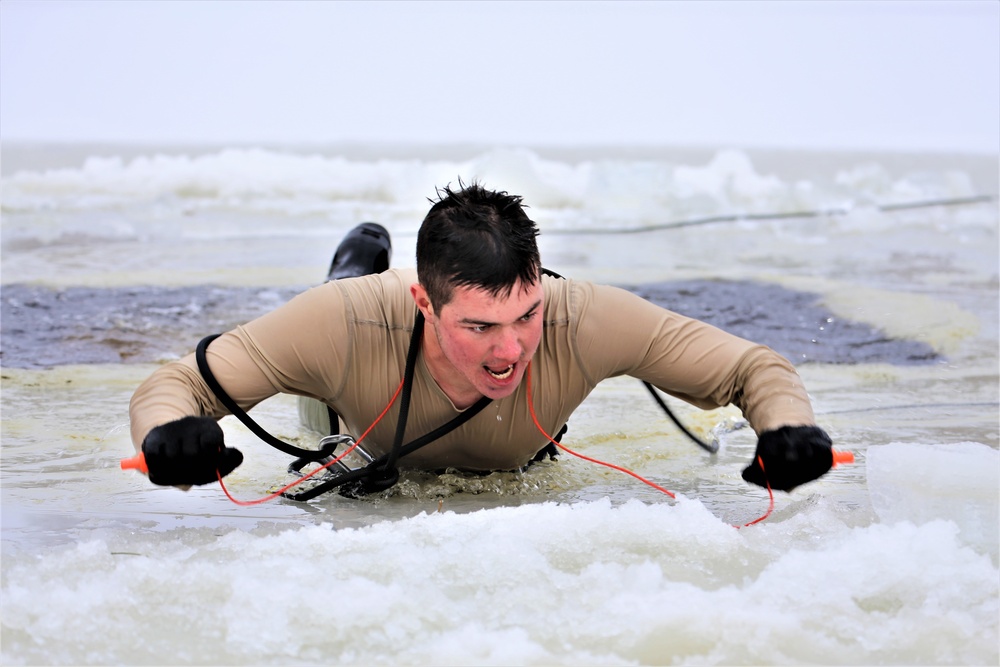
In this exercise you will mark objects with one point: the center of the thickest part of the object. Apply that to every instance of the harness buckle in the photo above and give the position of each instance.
(330, 444)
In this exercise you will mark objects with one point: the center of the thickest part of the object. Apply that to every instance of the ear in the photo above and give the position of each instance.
(420, 297)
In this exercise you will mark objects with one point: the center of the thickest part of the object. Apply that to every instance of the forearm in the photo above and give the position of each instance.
(693, 361)
(770, 392)
(760, 382)
(173, 391)
(173, 413)
(248, 373)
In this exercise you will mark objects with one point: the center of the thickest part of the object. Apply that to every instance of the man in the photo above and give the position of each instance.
(489, 316)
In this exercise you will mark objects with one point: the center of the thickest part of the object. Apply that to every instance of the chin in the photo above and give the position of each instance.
(497, 393)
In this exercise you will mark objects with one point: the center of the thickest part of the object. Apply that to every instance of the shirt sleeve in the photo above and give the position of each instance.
(621, 333)
(292, 349)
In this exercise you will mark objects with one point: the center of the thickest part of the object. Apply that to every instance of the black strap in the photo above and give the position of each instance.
(378, 475)
(240, 413)
(358, 476)
(382, 473)
(710, 447)
(404, 401)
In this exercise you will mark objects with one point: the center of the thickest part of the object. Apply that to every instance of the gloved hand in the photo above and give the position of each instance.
(188, 451)
(792, 455)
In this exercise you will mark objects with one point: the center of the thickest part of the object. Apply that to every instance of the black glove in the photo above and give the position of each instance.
(792, 455)
(188, 451)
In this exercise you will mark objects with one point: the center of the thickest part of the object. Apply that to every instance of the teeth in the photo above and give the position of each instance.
(501, 376)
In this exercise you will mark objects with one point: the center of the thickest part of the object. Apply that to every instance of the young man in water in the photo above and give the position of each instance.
(494, 325)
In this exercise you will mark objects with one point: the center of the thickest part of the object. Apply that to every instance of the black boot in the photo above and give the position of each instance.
(366, 249)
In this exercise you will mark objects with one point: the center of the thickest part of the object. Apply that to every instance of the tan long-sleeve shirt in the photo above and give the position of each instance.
(345, 343)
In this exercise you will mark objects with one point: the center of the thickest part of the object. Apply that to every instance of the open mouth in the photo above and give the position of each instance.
(500, 375)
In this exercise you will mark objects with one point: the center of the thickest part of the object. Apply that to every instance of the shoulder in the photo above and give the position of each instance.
(388, 285)
(572, 300)
(385, 293)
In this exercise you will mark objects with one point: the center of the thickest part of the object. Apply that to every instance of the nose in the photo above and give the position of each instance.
(507, 346)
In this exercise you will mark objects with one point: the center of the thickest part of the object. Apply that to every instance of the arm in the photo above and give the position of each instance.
(173, 413)
(710, 368)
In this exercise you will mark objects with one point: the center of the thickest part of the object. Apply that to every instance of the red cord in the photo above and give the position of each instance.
(534, 418)
(770, 496)
(298, 481)
(531, 409)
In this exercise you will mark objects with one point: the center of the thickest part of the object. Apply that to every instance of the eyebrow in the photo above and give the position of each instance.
(484, 323)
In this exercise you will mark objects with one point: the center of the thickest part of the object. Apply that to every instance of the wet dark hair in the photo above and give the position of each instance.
(479, 238)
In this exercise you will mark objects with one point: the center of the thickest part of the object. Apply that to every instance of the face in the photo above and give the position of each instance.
(481, 344)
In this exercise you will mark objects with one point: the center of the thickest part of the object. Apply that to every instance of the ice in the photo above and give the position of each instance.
(957, 482)
(272, 180)
(587, 583)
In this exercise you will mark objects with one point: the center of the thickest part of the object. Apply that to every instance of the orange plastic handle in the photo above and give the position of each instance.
(137, 462)
(842, 457)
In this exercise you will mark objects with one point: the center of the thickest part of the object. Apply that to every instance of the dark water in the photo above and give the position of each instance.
(794, 323)
(42, 327)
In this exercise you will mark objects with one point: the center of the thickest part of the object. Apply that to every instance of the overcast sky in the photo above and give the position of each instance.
(897, 75)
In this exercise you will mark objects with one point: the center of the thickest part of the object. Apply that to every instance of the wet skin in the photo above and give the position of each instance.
(481, 344)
